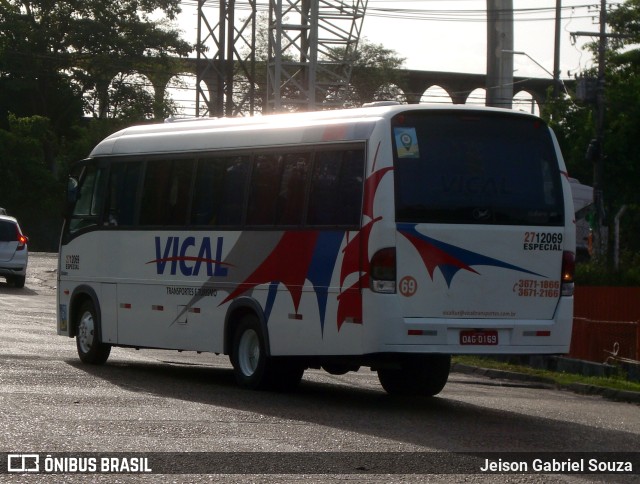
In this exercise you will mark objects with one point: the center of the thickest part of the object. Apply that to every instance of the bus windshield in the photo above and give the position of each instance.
(475, 168)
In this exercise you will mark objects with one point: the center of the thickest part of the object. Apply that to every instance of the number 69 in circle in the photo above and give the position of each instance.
(408, 286)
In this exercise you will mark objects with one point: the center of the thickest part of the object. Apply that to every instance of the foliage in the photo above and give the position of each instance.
(622, 158)
(58, 62)
(559, 378)
(29, 189)
(22, 152)
(375, 73)
(58, 58)
(598, 274)
(575, 126)
(626, 272)
(622, 162)
(625, 20)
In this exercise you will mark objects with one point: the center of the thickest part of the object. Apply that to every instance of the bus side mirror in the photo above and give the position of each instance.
(72, 191)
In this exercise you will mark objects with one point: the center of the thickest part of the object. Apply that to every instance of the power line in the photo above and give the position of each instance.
(528, 14)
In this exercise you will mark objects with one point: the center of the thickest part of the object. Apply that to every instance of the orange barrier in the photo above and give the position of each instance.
(606, 321)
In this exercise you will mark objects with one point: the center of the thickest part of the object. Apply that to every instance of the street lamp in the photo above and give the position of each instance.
(557, 83)
(519, 52)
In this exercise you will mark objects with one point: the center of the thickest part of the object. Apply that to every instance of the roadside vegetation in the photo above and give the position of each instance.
(618, 382)
(599, 273)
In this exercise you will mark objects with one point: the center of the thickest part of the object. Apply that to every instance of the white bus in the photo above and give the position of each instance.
(386, 237)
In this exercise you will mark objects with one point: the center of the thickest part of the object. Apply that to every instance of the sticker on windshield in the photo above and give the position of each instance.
(406, 142)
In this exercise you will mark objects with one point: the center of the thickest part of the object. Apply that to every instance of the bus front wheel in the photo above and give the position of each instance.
(249, 354)
(90, 347)
(424, 375)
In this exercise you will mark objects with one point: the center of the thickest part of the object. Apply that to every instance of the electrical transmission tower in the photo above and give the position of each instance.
(312, 44)
(311, 48)
(226, 57)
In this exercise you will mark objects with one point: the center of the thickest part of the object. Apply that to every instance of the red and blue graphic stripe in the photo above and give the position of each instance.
(450, 259)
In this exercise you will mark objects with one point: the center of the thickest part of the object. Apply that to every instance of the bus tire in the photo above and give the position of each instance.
(90, 348)
(424, 375)
(251, 365)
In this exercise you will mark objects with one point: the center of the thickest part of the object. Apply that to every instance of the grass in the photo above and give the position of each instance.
(560, 378)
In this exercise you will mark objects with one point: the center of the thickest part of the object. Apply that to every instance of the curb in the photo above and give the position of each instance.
(608, 393)
(579, 388)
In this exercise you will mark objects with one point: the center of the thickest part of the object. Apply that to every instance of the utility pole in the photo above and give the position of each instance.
(556, 51)
(596, 153)
(500, 53)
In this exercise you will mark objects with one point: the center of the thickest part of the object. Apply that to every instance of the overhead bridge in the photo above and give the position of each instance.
(412, 83)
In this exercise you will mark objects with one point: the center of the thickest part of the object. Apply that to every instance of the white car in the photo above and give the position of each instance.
(14, 253)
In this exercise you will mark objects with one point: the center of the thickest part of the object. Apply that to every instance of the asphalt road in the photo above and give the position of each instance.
(184, 404)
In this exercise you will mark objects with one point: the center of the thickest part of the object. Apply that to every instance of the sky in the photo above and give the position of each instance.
(450, 35)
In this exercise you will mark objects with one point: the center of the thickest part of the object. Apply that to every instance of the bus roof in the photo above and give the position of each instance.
(206, 134)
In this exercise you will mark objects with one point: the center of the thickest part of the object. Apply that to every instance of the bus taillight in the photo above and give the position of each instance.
(568, 270)
(383, 271)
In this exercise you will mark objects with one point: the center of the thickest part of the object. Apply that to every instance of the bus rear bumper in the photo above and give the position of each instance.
(486, 336)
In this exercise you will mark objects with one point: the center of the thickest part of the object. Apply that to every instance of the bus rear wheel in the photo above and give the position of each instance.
(90, 348)
(424, 375)
(252, 367)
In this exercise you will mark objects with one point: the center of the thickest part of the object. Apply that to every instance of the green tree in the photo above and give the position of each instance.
(28, 188)
(622, 163)
(59, 58)
(575, 126)
(375, 74)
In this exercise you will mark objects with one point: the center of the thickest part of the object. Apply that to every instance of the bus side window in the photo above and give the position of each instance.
(351, 187)
(263, 191)
(219, 191)
(86, 210)
(231, 208)
(336, 188)
(293, 186)
(165, 195)
(204, 192)
(277, 190)
(121, 194)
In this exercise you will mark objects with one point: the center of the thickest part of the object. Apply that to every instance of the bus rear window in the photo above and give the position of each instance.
(475, 168)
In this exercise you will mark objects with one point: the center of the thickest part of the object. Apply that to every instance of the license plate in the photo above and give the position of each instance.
(474, 337)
